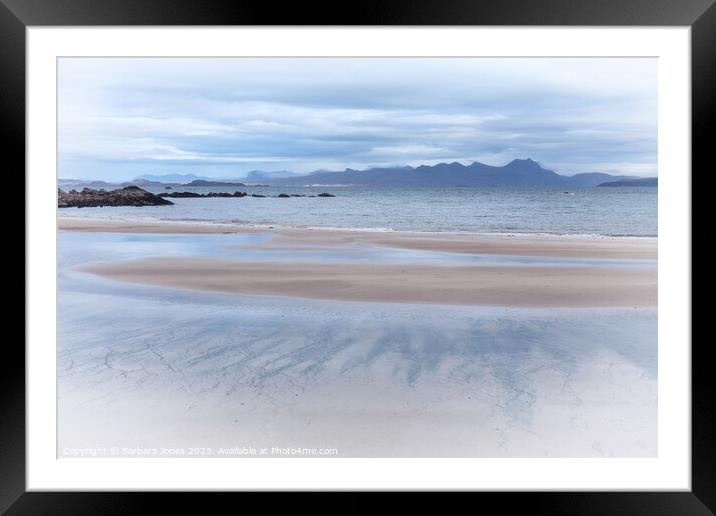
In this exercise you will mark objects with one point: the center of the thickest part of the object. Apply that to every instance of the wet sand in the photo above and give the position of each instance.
(521, 245)
(525, 286)
(156, 367)
(127, 226)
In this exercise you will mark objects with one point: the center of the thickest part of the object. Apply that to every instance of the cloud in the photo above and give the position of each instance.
(121, 117)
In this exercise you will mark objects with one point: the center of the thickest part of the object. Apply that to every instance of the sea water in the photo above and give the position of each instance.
(627, 211)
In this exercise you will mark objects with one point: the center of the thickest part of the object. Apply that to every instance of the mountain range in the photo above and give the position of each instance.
(188, 178)
(517, 173)
(171, 178)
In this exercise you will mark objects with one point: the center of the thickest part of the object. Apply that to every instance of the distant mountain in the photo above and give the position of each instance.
(202, 182)
(260, 174)
(142, 182)
(643, 181)
(170, 178)
(518, 172)
(82, 183)
(596, 178)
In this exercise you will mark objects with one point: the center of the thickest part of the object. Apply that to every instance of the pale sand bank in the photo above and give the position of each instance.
(526, 286)
(521, 245)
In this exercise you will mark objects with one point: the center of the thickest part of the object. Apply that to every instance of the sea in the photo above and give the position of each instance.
(616, 211)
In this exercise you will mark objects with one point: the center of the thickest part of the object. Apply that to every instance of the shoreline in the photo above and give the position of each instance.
(188, 226)
(550, 245)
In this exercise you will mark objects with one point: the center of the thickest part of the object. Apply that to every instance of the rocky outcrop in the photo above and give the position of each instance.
(193, 195)
(226, 194)
(127, 196)
(210, 194)
(181, 194)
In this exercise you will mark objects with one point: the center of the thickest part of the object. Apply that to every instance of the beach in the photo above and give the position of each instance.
(180, 335)
(356, 258)
(535, 285)
(590, 246)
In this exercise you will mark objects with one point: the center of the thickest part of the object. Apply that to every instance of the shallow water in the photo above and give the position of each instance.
(247, 247)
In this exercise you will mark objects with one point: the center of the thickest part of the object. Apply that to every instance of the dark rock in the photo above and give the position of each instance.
(235, 194)
(180, 194)
(128, 196)
(210, 194)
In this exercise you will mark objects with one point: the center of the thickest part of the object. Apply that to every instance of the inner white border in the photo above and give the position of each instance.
(671, 470)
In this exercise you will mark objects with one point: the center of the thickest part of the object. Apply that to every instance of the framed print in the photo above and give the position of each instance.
(425, 248)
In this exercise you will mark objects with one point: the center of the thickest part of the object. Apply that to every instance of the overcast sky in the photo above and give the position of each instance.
(120, 118)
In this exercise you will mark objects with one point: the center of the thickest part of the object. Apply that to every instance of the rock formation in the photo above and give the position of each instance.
(127, 196)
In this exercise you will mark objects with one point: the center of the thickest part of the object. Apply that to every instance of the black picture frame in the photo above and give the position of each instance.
(16, 15)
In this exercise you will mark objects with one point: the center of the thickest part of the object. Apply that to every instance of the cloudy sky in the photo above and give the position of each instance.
(120, 118)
